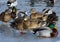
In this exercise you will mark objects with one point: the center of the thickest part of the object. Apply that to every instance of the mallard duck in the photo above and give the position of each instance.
(36, 15)
(5, 16)
(18, 24)
(8, 14)
(11, 3)
(52, 17)
(45, 32)
(13, 13)
(42, 32)
(47, 11)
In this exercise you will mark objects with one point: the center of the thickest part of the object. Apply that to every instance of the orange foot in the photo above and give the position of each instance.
(22, 33)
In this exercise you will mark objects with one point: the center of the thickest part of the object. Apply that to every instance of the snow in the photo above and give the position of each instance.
(7, 36)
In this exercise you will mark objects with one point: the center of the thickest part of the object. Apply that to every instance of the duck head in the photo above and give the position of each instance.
(7, 16)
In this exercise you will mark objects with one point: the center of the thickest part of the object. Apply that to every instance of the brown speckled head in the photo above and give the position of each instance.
(7, 16)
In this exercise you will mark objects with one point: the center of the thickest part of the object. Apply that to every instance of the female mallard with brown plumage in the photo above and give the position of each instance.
(35, 15)
(8, 14)
(5, 16)
(20, 23)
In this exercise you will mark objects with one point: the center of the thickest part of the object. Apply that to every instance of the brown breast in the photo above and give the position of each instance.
(54, 33)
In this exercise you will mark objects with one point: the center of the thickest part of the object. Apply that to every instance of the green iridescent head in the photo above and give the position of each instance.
(51, 25)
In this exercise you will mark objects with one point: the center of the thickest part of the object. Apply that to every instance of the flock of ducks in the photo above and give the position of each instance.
(43, 24)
